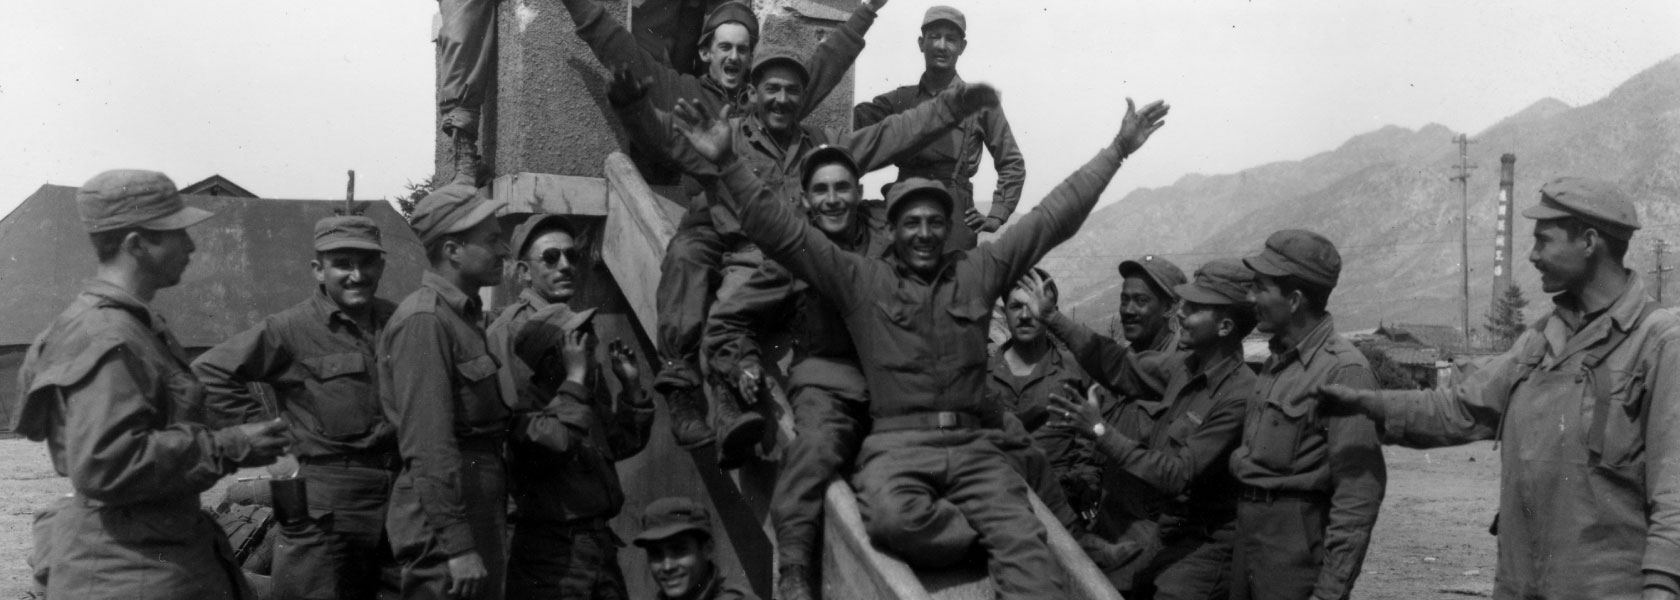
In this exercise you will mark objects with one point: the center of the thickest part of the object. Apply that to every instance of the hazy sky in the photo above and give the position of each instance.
(284, 96)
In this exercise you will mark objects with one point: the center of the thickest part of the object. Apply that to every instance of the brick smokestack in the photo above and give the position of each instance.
(1502, 226)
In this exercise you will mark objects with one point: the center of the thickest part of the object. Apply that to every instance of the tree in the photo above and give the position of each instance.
(1390, 375)
(414, 192)
(1505, 323)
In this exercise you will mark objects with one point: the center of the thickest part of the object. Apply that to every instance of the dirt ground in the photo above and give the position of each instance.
(1431, 540)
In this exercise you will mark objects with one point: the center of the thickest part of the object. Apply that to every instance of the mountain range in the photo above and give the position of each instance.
(1387, 200)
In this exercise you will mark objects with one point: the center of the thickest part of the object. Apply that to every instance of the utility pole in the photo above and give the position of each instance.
(1658, 249)
(1463, 179)
(350, 194)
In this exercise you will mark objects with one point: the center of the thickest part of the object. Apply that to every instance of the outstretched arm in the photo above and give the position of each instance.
(905, 133)
(616, 48)
(834, 56)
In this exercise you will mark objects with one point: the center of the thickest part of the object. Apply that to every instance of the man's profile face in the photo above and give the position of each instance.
(350, 277)
(1024, 326)
(680, 564)
(1143, 314)
(919, 231)
(1563, 262)
(1272, 308)
(832, 197)
(165, 256)
(549, 266)
(727, 54)
(941, 44)
(481, 254)
(776, 96)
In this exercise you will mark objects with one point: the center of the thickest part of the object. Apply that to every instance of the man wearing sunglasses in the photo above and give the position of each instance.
(546, 254)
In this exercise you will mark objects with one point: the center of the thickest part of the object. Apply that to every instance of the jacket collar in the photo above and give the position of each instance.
(1309, 346)
(924, 86)
(452, 296)
(114, 295)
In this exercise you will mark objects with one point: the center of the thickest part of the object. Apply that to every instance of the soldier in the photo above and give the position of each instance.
(319, 357)
(956, 157)
(566, 438)
(1584, 405)
(771, 141)
(689, 272)
(447, 519)
(677, 535)
(1311, 477)
(546, 258)
(931, 481)
(108, 388)
(1169, 494)
(1027, 370)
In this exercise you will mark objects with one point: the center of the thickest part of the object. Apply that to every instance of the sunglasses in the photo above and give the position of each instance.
(552, 256)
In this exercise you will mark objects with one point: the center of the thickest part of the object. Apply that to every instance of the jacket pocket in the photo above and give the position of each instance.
(340, 391)
(966, 348)
(1277, 433)
(481, 400)
(899, 342)
(1623, 441)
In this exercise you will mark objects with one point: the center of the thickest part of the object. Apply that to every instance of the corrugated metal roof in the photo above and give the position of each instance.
(252, 260)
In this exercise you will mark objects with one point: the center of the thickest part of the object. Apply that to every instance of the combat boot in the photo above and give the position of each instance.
(467, 162)
(688, 418)
(739, 432)
(793, 584)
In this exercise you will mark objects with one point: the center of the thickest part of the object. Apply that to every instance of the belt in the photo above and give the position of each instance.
(388, 461)
(926, 420)
(1249, 493)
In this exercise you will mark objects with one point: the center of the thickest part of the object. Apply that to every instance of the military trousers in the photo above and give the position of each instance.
(700, 264)
(929, 495)
(1191, 565)
(340, 552)
(466, 47)
(570, 561)
(424, 564)
(830, 417)
(166, 549)
(1279, 547)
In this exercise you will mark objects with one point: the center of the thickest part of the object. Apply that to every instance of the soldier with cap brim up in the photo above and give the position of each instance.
(677, 535)
(1586, 409)
(931, 481)
(1169, 498)
(319, 358)
(955, 158)
(107, 386)
(1311, 476)
(447, 519)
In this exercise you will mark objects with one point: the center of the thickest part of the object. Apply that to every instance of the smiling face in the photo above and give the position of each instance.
(919, 230)
(831, 198)
(1202, 326)
(776, 96)
(942, 43)
(549, 266)
(727, 54)
(349, 277)
(1143, 314)
(681, 564)
(1564, 262)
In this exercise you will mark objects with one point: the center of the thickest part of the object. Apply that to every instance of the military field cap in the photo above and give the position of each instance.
(546, 331)
(133, 198)
(1223, 281)
(352, 232)
(522, 232)
(1299, 253)
(730, 12)
(917, 187)
(671, 516)
(773, 55)
(1162, 272)
(945, 13)
(822, 155)
(1598, 202)
(450, 209)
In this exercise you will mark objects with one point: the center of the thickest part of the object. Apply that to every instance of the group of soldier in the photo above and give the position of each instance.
(1183, 472)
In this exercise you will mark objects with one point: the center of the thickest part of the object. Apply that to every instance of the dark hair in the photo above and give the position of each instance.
(547, 227)
(434, 249)
(1316, 296)
(1242, 317)
(106, 244)
(1577, 227)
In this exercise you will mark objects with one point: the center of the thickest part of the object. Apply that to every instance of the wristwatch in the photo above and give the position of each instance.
(1099, 429)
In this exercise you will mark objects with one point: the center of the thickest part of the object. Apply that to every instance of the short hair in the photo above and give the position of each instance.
(1317, 296)
(1576, 227)
(1241, 315)
(106, 244)
(548, 226)
(434, 249)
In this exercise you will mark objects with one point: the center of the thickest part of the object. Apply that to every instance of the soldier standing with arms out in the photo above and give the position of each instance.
(1311, 475)
(108, 388)
(448, 515)
(1167, 482)
(319, 357)
(955, 158)
(689, 272)
(931, 480)
(1585, 408)
(677, 535)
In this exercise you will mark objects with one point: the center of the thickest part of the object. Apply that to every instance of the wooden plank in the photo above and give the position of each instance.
(552, 194)
(638, 228)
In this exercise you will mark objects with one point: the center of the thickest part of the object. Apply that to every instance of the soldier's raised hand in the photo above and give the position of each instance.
(623, 362)
(575, 354)
(707, 132)
(626, 88)
(975, 96)
(1037, 299)
(1138, 125)
(1080, 410)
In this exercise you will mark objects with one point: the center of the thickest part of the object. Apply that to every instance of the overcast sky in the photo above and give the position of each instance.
(283, 96)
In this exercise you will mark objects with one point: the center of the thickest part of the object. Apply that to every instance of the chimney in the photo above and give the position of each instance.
(1502, 229)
